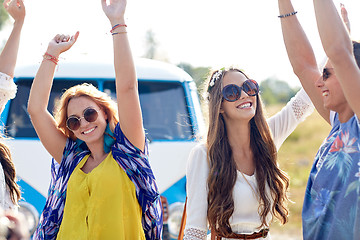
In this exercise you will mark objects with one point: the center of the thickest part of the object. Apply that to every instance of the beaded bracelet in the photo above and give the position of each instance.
(287, 15)
(117, 26)
(50, 57)
(114, 33)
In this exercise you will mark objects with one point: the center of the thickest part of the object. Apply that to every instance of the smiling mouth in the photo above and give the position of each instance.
(89, 131)
(325, 93)
(245, 105)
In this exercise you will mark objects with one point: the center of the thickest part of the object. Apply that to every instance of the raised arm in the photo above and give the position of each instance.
(339, 49)
(8, 56)
(44, 123)
(130, 116)
(301, 55)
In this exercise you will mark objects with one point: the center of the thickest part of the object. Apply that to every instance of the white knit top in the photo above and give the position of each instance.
(7, 89)
(245, 218)
(7, 92)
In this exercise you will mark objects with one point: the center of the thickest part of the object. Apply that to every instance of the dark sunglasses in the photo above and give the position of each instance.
(232, 92)
(90, 115)
(326, 74)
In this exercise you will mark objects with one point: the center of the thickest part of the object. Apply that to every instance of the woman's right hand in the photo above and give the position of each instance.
(53, 139)
(61, 43)
(16, 9)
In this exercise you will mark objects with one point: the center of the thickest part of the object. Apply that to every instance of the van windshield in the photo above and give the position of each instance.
(164, 109)
(18, 123)
(163, 105)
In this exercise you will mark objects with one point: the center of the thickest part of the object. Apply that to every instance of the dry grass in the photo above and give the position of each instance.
(295, 157)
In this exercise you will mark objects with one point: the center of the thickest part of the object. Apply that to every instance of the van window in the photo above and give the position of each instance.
(164, 109)
(163, 105)
(18, 122)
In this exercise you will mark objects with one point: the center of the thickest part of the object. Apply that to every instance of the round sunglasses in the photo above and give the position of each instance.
(232, 92)
(90, 115)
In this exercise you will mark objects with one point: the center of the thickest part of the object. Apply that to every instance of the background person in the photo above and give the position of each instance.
(331, 208)
(9, 190)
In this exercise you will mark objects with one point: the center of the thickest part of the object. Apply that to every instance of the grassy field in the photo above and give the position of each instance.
(295, 157)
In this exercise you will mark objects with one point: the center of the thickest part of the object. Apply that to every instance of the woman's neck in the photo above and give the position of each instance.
(239, 140)
(97, 150)
(239, 136)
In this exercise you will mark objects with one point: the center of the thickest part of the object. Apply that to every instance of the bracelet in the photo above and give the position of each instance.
(50, 57)
(117, 26)
(114, 33)
(287, 15)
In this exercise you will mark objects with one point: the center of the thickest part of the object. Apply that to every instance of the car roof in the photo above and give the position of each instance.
(145, 69)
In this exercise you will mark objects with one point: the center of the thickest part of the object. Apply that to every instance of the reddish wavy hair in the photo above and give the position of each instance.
(102, 99)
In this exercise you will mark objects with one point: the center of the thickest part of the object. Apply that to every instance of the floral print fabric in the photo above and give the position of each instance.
(331, 207)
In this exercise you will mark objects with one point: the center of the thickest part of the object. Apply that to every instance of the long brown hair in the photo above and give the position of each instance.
(9, 173)
(223, 172)
(102, 99)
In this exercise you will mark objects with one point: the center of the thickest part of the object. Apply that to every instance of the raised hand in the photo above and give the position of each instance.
(20, 229)
(16, 9)
(61, 43)
(114, 10)
(344, 15)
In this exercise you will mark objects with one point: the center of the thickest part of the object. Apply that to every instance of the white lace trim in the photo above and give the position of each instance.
(300, 108)
(7, 89)
(194, 234)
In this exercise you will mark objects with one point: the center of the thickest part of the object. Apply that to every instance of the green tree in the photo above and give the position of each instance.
(274, 91)
(151, 44)
(3, 16)
(199, 74)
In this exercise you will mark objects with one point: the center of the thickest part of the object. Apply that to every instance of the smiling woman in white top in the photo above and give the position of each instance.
(234, 185)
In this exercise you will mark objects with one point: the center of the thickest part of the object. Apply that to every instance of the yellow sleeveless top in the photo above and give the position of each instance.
(101, 204)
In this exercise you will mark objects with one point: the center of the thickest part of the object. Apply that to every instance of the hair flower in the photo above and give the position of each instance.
(215, 77)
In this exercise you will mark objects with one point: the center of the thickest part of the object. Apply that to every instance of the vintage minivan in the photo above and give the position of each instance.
(172, 119)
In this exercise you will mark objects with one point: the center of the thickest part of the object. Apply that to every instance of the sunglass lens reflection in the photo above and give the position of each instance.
(250, 87)
(73, 123)
(232, 93)
(90, 115)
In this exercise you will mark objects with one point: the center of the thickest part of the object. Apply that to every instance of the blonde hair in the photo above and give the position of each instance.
(102, 99)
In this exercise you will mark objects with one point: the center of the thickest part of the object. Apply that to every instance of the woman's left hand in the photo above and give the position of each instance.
(344, 15)
(114, 10)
